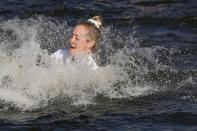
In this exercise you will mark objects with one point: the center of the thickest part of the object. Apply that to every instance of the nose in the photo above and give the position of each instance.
(71, 39)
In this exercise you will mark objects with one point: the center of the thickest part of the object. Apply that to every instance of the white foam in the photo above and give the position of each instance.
(29, 86)
(16, 98)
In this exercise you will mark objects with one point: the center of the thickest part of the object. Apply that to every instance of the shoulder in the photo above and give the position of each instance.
(56, 54)
(60, 53)
(60, 56)
(65, 51)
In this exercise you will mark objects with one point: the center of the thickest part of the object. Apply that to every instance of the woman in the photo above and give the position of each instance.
(84, 40)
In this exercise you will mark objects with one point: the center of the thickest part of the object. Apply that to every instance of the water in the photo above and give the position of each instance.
(147, 77)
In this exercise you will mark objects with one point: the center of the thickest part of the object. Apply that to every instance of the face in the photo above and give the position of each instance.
(78, 40)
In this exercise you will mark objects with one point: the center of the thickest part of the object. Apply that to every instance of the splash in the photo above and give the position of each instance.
(28, 81)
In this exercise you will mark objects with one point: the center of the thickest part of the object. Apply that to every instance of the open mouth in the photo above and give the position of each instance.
(72, 47)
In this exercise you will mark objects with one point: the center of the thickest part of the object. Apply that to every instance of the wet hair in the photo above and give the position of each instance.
(95, 26)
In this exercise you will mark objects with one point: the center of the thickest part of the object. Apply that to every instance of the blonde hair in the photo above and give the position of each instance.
(95, 28)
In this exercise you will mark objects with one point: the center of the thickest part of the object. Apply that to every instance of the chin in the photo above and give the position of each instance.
(73, 51)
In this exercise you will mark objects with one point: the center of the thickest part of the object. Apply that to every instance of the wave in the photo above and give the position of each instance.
(29, 82)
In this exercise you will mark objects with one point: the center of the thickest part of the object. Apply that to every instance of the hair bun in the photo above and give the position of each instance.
(97, 21)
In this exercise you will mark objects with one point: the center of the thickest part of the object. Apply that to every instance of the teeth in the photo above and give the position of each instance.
(72, 47)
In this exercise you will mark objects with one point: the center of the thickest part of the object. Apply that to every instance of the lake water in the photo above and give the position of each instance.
(147, 79)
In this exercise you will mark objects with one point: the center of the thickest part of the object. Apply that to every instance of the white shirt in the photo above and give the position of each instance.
(62, 56)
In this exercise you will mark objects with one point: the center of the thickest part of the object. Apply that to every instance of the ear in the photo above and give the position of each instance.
(91, 44)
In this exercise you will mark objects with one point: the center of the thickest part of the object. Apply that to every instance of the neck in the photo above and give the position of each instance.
(87, 52)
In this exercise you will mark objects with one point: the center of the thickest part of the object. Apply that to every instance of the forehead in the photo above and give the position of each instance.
(80, 30)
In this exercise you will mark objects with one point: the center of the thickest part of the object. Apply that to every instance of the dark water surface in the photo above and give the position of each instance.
(148, 53)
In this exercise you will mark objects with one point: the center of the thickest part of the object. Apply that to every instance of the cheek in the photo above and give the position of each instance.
(82, 43)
